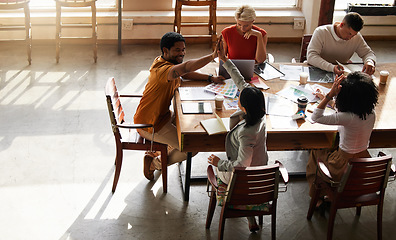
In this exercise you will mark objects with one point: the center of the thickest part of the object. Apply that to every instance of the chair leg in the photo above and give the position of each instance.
(164, 168)
(222, 223)
(314, 200)
(330, 227)
(28, 29)
(273, 220)
(58, 30)
(118, 161)
(211, 208)
(358, 211)
(94, 34)
(261, 221)
(379, 220)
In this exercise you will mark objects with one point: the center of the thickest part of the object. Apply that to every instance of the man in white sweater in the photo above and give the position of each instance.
(338, 42)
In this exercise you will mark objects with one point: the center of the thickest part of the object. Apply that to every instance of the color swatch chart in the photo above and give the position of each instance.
(228, 89)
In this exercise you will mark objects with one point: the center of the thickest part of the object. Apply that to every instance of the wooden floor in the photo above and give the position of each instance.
(57, 158)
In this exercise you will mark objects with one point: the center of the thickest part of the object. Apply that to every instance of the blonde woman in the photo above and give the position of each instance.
(245, 40)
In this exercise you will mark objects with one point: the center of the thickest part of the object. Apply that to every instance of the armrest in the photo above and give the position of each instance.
(134, 126)
(212, 177)
(283, 171)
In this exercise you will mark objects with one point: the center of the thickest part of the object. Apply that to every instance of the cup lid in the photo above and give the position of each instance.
(302, 99)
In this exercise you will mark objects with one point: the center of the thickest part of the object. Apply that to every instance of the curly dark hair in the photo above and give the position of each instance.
(169, 39)
(354, 20)
(358, 95)
(252, 99)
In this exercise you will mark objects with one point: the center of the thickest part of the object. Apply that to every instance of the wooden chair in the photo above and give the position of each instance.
(130, 139)
(362, 184)
(248, 186)
(19, 4)
(60, 24)
(211, 24)
(304, 45)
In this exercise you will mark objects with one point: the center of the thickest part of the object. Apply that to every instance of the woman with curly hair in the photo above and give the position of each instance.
(355, 99)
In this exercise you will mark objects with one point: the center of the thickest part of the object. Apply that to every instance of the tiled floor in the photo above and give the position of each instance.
(57, 153)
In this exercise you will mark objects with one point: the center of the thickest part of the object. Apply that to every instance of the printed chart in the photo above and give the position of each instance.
(228, 89)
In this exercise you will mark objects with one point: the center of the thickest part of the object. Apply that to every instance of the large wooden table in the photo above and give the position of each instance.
(193, 138)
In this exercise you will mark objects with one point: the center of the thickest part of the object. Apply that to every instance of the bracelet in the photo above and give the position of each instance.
(210, 78)
(328, 98)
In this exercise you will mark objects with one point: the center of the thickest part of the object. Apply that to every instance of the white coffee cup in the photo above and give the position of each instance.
(303, 78)
(219, 99)
(384, 77)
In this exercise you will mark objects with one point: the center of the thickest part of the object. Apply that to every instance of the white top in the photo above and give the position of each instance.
(326, 47)
(354, 132)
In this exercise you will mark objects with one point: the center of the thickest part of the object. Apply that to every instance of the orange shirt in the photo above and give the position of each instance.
(238, 46)
(157, 96)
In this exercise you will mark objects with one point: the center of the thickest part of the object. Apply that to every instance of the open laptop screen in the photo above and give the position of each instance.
(245, 67)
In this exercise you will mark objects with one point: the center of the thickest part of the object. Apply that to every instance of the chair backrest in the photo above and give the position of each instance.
(116, 112)
(76, 3)
(197, 2)
(365, 176)
(304, 45)
(13, 4)
(253, 185)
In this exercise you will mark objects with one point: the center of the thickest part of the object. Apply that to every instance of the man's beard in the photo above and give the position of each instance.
(174, 61)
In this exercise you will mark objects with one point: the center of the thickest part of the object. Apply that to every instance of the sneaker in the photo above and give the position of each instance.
(148, 173)
(253, 226)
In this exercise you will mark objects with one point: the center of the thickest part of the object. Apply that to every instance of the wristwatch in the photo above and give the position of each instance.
(210, 78)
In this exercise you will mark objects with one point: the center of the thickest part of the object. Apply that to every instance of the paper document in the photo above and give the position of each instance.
(348, 68)
(195, 93)
(258, 83)
(319, 75)
(216, 125)
(292, 72)
(282, 122)
(279, 106)
(294, 92)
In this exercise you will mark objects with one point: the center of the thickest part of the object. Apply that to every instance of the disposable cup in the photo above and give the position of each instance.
(219, 99)
(384, 77)
(302, 103)
(303, 78)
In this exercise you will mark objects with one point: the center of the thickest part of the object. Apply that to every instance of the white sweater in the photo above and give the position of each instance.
(326, 47)
(354, 132)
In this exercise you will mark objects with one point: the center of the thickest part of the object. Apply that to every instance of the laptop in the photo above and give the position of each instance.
(245, 67)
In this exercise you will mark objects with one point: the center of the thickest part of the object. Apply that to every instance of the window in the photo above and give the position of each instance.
(51, 3)
(257, 3)
(343, 4)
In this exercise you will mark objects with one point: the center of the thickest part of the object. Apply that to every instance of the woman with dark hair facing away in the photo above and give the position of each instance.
(355, 98)
(246, 142)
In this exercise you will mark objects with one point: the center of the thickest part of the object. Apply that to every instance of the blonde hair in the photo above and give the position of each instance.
(245, 13)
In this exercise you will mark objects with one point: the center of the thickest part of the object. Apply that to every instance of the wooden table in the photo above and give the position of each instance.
(193, 138)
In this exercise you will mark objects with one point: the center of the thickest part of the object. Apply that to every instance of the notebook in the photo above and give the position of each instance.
(245, 67)
(216, 125)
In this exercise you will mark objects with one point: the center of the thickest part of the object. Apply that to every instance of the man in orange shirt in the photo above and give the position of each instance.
(165, 76)
(245, 40)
